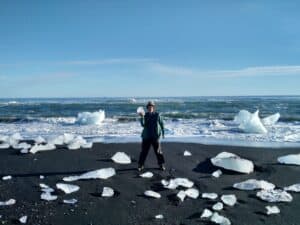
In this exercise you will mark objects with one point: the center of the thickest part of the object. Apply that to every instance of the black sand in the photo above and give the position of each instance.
(129, 206)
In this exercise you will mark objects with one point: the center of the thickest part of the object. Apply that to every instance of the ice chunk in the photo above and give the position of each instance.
(42, 177)
(107, 192)
(46, 188)
(293, 188)
(68, 138)
(271, 120)
(147, 175)
(211, 196)
(140, 110)
(152, 194)
(217, 173)
(187, 153)
(4, 138)
(88, 118)
(39, 140)
(22, 145)
(87, 145)
(4, 146)
(8, 202)
(74, 145)
(95, 174)
(15, 138)
(206, 214)
(250, 123)
(181, 195)
(70, 201)
(59, 140)
(252, 184)
(292, 159)
(23, 219)
(218, 206)
(67, 188)
(159, 217)
(7, 177)
(39, 148)
(229, 199)
(272, 210)
(192, 193)
(24, 151)
(47, 196)
(218, 219)
(233, 162)
(121, 158)
(275, 195)
(174, 183)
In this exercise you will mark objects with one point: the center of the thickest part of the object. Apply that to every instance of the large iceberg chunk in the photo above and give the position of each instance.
(88, 118)
(293, 188)
(152, 194)
(229, 199)
(121, 158)
(276, 195)
(218, 219)
(95, 174)
(67, 188)
(250, 123)
(292, 159)
(253, 184)
(233, 162)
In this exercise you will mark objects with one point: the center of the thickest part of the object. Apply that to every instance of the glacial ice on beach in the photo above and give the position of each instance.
(229, 200)
(192, 193)
(39, 148)
(211, 196)
(4, 138)
(7, 177)
(67, 188)
(121, 158)
(174, 183)
(159, 216)
(104, 173)
(233, 162)
(147, 175)
(107, 192)
(187, 153)
(23, 219)
(76, 143)
(293, 188)
(272, 210)
(271, 120)
(22, 145)
(140, 110)
(276, 195)
(91, 118)
(8, 202)
(250, 123)
(39, 140)
(218, 206)
(206, 214)
(87, 145)
(4, 146)
(181, 195)
(252, 184)
(152, 194)
(217, 173)
(292, 159)
(70, 201)
(47, 196)
(24, 151)
(219, 219)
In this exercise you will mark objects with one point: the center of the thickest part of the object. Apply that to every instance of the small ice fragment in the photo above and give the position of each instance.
(4, 146)
(292, 159)
(23, 219)
(187, 153)
(70, 201)
(42, 177)
(7, 177)
(218, 219)
(48, 197)
(272, 210)
(107, 192)
(152, 194)
(192, 193)
(43, 185)
(159, 217)
(87, 145)
(140, 110)
(147, 175)
(206, 214)
(211, 196)
(252, 184)
(24, 151)
(293, 188)
(8, 202)
(39, 140)
(164, 182)
(174, 183)
(217, 173)
(276, 195)
(67, 188)
(233, 162)
(218, 206)
(229, 199)
(39, 148)
(95, 174)
(121, 158)
(181, 195)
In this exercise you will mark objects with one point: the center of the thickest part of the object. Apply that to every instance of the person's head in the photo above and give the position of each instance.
(150, 106)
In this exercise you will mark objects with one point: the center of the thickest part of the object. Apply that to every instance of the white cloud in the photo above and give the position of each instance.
(109, 61)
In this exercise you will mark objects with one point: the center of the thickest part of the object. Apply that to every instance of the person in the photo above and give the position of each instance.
(153, 129)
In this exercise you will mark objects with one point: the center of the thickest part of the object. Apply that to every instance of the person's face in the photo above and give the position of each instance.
(150, 108)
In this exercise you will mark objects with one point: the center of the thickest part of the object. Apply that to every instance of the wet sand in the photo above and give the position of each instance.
(129, 206)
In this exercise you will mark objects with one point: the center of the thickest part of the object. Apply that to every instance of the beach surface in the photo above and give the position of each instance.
(129, 205)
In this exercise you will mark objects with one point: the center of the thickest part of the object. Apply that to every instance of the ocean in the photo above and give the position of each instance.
(208, 120)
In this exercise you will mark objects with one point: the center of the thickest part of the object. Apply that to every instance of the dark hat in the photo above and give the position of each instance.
(150, 103)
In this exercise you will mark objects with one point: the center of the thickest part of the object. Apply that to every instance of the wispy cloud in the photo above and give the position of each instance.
(110, 61)
(244, 72)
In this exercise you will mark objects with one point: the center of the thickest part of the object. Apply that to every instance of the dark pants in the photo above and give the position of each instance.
(146, 144)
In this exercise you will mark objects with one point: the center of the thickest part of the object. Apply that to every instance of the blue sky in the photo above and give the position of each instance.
(149, 48)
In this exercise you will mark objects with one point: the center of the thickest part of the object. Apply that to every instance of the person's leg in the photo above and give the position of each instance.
(146, 144)
(158, 152)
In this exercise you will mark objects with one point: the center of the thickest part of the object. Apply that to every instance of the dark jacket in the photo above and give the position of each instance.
(153, 126)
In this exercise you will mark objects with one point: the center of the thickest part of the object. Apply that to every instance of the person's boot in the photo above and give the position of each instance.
(162, 167)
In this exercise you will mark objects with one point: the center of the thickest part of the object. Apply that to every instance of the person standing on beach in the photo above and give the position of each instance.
(153, 130)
